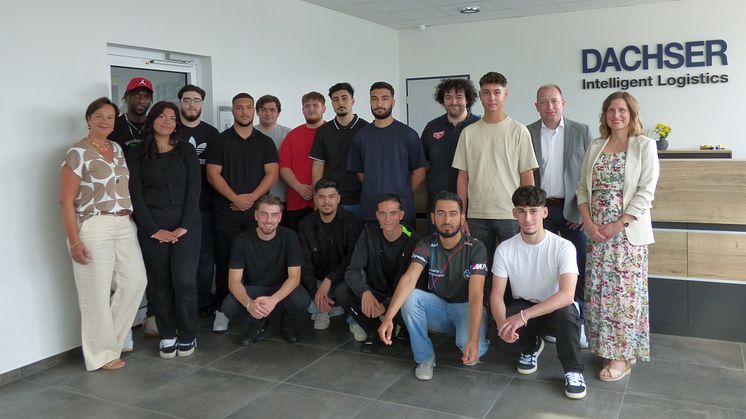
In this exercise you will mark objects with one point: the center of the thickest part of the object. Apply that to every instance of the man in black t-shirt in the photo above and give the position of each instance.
(241, 167)
(440, 136)
(128, 127)
(199, 133)
(453, 303)
(381, 256)
(265, 271)
(332, 145)
(327, 237)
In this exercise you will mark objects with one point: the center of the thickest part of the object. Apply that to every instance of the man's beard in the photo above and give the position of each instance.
(190, 118)
(313, 121)
(384, 115)
(248, 124)
(453, 233)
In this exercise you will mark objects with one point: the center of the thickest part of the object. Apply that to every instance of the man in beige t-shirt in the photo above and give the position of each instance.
(494, 157)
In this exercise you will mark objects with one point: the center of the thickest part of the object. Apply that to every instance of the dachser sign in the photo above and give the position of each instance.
(671, 56)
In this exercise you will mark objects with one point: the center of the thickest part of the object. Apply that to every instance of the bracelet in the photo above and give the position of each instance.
(525, 323)
(248, 304)
(77, 242)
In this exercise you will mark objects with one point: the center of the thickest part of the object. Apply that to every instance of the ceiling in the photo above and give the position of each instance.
(413, 14)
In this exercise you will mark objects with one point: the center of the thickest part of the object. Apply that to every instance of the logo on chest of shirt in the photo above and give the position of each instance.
(438, 135)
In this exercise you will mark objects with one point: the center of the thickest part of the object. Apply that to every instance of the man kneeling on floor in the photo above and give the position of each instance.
(453, 302)
(264, 274)
(327, 237)
(381, 256)
(542, 271)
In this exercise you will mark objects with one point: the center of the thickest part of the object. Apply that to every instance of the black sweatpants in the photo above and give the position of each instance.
(291, 309)
(564, 324)
(226, 226)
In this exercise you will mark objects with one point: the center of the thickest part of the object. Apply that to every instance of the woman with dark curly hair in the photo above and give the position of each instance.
(165, 183)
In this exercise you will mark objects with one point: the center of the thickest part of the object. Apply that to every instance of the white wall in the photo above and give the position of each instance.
(533, 51)
(54, 64)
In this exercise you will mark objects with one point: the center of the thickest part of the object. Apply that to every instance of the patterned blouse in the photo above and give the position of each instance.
(104, 186)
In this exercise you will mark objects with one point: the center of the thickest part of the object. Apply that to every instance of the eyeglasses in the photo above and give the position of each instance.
(188, 101)
(167, 117)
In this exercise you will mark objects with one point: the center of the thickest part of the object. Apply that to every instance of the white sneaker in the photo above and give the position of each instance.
(150, 328)
(128, 345)
(221, 322)
(424, 371)
(321, 322)
(358, 332)
(583, 338)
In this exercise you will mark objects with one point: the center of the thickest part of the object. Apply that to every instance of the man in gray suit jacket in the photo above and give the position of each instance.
(560, 146)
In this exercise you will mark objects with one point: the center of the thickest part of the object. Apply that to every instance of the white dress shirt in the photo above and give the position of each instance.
(552, 156)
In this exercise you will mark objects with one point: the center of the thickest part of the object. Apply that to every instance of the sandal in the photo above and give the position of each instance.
(114, 365)
(613, 374)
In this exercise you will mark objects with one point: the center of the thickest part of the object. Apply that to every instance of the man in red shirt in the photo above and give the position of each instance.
(295, 165)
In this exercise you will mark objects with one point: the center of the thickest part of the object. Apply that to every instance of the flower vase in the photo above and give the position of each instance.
(662, 144)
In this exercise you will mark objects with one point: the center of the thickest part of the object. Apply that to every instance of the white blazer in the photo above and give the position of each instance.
(640, 178)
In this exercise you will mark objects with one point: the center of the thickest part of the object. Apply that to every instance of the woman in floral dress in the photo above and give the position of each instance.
(615, 193)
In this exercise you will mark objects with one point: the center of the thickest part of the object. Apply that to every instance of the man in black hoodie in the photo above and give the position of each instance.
(381, 256)
(327, 237)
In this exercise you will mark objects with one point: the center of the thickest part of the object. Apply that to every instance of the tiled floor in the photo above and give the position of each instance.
(326, 376)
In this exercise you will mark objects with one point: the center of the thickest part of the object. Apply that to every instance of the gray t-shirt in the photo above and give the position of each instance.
(277, 134)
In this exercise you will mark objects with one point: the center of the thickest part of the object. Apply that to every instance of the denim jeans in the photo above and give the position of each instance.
(425, 311)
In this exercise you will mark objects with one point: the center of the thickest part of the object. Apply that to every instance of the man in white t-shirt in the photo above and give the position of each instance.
(543, 273)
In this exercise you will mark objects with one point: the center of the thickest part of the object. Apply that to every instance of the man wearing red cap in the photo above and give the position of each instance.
(128, 126)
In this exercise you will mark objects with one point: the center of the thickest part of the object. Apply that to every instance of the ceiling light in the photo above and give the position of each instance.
(468, 10)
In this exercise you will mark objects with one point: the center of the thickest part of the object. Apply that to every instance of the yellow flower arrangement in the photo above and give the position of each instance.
(662, 130)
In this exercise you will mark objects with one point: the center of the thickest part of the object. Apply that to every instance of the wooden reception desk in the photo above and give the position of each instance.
(698, 264)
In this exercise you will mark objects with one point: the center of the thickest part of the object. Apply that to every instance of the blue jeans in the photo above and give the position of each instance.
(425, 311)
(557, 224)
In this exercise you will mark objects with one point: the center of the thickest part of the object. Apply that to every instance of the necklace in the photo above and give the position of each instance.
(132, 126)
(105, 147)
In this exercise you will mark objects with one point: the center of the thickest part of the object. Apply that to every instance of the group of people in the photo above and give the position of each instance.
(321, 219)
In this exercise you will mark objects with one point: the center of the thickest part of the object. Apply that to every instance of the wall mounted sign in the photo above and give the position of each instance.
(671, 56)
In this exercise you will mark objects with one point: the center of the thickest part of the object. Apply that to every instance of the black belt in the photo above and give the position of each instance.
(555, 202)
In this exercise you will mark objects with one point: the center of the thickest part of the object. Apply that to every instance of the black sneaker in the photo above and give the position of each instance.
(372, 344)
(290, 334)
(254, 334)
(184, 350)
(528, 363)
(168, 352)
(403, 336)
(574, 385)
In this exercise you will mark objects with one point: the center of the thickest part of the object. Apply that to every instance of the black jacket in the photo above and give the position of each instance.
(366, 272)
(322, 258)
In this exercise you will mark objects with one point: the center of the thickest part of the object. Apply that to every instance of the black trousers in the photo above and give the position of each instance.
(172, 270)
(564, 324)
(227, 225)
(352, 306)
(291, 309)
(206, 266)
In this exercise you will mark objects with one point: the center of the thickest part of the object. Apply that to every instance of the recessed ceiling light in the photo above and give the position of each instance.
(468, 10)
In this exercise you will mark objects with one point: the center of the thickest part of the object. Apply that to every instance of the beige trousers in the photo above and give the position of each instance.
(110, 286)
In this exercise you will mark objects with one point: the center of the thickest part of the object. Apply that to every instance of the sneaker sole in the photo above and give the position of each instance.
(575, 396)
(533, 370)
(184, 354)
(164, 355)
(321, 326)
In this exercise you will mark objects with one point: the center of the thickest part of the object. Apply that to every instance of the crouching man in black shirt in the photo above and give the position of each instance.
(381, 256)
(264, 274)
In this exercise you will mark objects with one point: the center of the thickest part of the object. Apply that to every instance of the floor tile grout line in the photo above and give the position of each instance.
(512, 378)
(277, 384)
(743, 357)
(117, 402)
(668, 399)
(285, 381)
(406, 371)
(621, 406)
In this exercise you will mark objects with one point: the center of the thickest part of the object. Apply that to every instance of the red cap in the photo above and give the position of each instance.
(140, 82)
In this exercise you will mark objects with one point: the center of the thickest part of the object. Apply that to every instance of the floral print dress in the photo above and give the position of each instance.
(616, 291)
